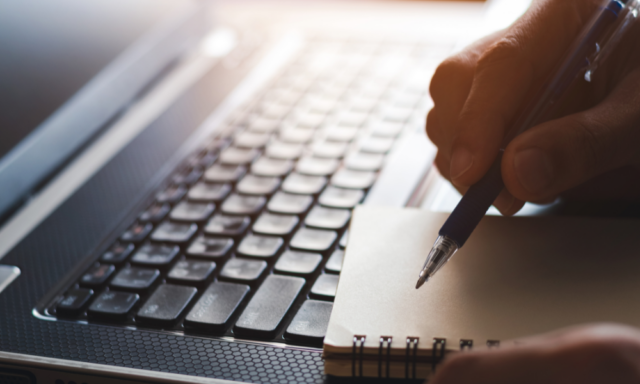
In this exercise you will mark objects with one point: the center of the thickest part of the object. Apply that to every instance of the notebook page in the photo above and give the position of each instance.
(515, 277)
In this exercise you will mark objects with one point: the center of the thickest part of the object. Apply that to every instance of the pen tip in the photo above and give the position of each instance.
(420, 283)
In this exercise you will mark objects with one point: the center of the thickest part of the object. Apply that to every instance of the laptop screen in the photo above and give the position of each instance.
(69, 66)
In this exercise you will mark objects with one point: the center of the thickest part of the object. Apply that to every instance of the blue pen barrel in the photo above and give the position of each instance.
(474, 205)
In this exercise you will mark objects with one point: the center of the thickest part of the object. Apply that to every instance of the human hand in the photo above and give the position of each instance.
(596, 354)
(592, 152)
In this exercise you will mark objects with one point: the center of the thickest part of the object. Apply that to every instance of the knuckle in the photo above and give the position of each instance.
(449, 70)
(506, 51)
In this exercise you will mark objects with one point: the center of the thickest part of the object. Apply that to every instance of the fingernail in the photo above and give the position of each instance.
(461, 161)
(504, 202)
(533, 169)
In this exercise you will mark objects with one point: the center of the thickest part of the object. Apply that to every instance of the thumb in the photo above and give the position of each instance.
(564, 153)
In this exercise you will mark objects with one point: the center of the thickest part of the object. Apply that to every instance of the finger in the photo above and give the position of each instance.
(564, 153)
(505, 74)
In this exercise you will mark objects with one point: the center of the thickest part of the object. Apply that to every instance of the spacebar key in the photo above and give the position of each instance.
(268, 306)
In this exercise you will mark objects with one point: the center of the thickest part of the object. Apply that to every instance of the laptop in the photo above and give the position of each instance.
(177, 176)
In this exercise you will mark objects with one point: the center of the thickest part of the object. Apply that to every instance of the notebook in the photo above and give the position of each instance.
(514, 278)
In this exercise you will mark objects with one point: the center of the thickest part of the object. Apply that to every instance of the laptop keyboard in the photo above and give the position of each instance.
(246, 238)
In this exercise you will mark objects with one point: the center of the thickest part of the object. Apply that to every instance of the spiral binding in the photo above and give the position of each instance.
(438, 349)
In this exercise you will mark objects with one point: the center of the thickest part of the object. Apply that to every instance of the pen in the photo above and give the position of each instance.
(592, 46)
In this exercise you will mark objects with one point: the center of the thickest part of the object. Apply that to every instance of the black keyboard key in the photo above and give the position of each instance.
(136, 233)
(313, 240)
(187, 176)
(191, 211)
(260, 246)
(191, 271)
(258, 185)
(117, 254)
(360, 161)
(223, 225)
(268, 306)
(310, 324)
(74, 302)
(113, 305)
(275, 225)
(327, 218)
(325, 287)
(155, 213)
(243, 270)
(334, 264)
(97, 275)
(316, 166)
(287, 203)
(298, 263)
(207, 192)
(210, 247)
(303, 184)
(171, 195)
(223, 173)
(340, 197)
(174, 232)
(135, 279)
(156, 255)
(346, 178)
(243, 205)
(216, 306)
(266, 166)
(166, 304)
(238, 156)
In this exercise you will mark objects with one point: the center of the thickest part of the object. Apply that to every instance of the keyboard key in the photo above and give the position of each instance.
(325, 287)
(243, 270)
(397, 114)
(284, 151)
(136, 233)
(309, 119)
(298, 135)
(117, 254)
(191, 271)
(171, 195)
(166, 304)
(334, 264)
(155, 213)
(330, 149)
(249, 139)
(238, 156)
(352, 119)
(206, 192)
(113, 305)
(223, 173)
(74, 302)
(187, 176)
(97, 275)
(379, 145)
(386, 129)
(157, 255)
(303, 184)
(266, 166)
(316, 166)
(346, 178)
(314, 240)
(243, 205)
(258, 185)
(210, 247)
(268, 306)
(260, 246)
(340, 197)
(174, 232)
(327, 218)
(203, 159)
(344, 239)
(310, 323)
(275, 225)
(263, 124)
(135, 279)
(216, 306)
(298, 263)
(360, 161)
(287, 203)
(192, 211)
(223, 225)
(340, 133)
